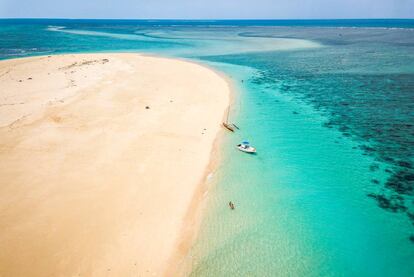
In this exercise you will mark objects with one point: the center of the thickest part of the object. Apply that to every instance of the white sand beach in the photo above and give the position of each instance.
(101, 156)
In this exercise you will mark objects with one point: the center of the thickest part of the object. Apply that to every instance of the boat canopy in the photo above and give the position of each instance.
(245, 142)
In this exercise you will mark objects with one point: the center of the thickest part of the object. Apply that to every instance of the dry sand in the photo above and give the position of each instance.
(93, 183)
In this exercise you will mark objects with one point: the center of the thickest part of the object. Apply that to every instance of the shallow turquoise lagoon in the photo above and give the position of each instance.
(330, 107)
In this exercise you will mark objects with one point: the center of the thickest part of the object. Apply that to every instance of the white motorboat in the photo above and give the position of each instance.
(245, 147)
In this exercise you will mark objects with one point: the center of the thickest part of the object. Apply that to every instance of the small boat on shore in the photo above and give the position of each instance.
(228, 127)
(245, 147)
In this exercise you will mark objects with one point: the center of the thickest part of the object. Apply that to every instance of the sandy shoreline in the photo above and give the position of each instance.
(93, 183)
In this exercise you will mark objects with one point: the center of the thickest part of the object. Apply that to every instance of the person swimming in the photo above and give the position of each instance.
(231, 205)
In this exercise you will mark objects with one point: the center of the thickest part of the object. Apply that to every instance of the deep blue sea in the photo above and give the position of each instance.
(329, 104)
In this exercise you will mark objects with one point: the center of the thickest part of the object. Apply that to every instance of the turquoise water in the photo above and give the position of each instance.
(329, 106)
